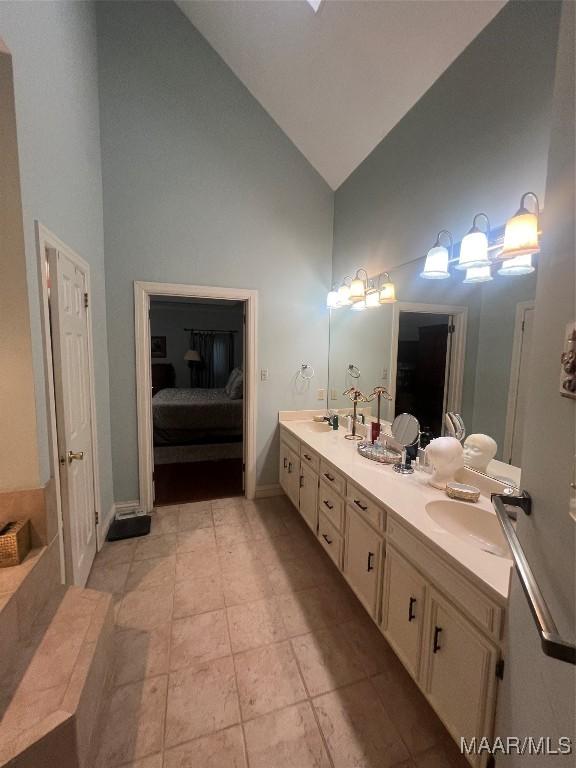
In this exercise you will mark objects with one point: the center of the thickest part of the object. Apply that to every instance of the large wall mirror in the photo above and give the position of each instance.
(443, 346)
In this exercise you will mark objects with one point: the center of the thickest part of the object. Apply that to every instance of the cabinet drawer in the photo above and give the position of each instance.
(332, 477)
(290, 440)
(478, 606)
(330, 539)
(363, 504)
(309, 457)
(331, 504)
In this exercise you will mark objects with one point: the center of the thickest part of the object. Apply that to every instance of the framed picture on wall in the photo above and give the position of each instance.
(158, 346)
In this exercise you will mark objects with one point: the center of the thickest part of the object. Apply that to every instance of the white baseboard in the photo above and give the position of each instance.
(265, 491)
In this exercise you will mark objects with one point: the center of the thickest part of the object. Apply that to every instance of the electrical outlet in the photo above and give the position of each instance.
(321, 394)
(334, 394)
(264, 374)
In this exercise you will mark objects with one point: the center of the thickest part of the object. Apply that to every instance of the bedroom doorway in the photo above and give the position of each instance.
(195, 350)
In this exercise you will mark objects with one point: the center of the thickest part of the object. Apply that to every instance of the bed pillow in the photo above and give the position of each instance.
(234, 373)
(237, 387)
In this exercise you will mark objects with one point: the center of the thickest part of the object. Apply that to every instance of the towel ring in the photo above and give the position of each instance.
(306, 371)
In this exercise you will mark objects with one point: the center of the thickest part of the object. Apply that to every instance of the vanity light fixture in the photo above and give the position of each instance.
(478, 275)
(372, 298)
(333, 299)
(437, 258)
(359, 306)
(519, 265)
(344, 293)
(474, 246)
(521, 233)
(358, 286)
(387, 291)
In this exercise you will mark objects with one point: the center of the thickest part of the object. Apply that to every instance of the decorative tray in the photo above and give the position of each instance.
(377, 453)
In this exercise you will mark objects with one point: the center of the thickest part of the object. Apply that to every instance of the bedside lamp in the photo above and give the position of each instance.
(192, 356)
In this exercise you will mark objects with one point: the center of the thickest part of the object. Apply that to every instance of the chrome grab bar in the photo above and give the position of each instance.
(552, 644)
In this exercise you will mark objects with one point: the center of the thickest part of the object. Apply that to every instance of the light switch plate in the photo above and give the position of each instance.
(321, 394)
(568, 363)
(264, 374)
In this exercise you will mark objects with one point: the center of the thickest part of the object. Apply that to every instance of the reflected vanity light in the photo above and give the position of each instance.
(358, 306)
(358, 286)
(521, 233)
(344, 293)
(478, 275)
(333, 299)
(387, 291)
(519, 265)
(360, 293)
(437, 258)
(474, 246)
(372, 298)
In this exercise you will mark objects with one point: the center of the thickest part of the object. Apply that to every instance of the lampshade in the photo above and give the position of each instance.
(478, 275)
(519, 265)
(333, 300)
(387, 293)
(344, 295)
(372, 299)
(192, 356)
(358, 306)
(358, 286)
(474, 246)
(436, 264)
(521, 233)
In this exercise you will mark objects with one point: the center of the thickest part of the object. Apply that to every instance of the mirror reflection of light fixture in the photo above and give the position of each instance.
(333, 300)
(474, 246)
(192, 356)
(437, 258)
(478, 275)
(387, 291)
(521, 233)
(372, 298)
(519, 265)
(344, 293)
(358, 286)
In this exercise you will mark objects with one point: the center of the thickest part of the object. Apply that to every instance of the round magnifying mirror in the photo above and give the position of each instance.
(405, 431)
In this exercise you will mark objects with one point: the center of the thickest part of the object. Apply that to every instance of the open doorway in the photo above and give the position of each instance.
(197, 379)
(428, 357)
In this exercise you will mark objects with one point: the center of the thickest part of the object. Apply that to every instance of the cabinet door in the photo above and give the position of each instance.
(293, 477)
(403, 607)
(309, 496)
(283, 467)
(362, 552)
(461, 672)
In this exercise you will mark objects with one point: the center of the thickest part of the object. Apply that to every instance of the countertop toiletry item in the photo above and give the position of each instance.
(479, 450)
(335, 421)
(374, 430)
(319, 419)
(462, 492)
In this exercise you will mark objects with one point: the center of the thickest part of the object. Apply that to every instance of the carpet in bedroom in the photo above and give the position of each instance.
(197, 481)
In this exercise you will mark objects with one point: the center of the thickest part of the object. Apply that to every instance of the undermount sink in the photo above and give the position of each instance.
(318, 426)
(472, 524)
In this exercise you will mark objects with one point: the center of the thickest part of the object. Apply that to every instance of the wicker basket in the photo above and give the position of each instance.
(14, 542)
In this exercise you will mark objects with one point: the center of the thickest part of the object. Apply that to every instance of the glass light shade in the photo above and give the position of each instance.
(344, 295)
(372, 299)
(473, 251)
(436, 265)
(521, 235)
(358, 306)
(478, 275)
(387, 294)
(357, 289)
(333, 300)
(519, 265)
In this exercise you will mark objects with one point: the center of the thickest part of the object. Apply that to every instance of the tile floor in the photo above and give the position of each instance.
(239, 645)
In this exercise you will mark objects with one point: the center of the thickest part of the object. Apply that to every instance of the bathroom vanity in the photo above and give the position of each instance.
(432, 573)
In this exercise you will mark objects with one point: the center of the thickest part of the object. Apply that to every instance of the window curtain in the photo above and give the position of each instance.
(217, 358)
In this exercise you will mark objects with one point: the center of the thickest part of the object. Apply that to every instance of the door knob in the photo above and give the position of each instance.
(75, 455)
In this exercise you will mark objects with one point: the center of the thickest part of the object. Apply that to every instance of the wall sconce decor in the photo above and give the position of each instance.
(438, 257)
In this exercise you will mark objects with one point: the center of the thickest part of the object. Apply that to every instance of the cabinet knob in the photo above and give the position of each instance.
(370, 561)
(436, 646)
(327, 504)
(361, 506)
(328, 541)
(285, 462)
(328, 476)
(301, 481)
(411, 614)
(289, 467)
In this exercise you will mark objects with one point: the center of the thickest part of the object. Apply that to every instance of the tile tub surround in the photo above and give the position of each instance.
(405, 497)
(251, 651)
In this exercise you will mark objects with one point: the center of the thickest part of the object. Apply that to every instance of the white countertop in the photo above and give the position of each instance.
(406, 496)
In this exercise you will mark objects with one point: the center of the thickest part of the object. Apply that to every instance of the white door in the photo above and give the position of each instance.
(522, 374)
(69, 320)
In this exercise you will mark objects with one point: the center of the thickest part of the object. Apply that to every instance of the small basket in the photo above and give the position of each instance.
(14, 542)
(462, 492)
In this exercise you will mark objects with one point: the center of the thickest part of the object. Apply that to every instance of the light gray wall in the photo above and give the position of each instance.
(53, 45)
(170, 320)
(538, 696)
(201, 186)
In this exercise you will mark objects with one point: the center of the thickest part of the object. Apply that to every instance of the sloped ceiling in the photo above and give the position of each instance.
(337, 81)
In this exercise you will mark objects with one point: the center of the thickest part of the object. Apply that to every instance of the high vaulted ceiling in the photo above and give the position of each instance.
(337, 81)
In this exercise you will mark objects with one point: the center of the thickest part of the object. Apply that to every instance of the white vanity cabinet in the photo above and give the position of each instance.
(362, 559)
(308, 503)
(290, 472)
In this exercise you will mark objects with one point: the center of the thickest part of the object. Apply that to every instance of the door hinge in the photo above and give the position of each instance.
(451, 328)
(500, 669)
(85, 300)
(96, 516)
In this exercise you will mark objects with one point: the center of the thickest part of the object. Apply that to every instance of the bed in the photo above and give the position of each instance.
(188, 416)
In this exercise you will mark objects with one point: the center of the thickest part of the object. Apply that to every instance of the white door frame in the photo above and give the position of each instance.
(142, 293)
(458, 349)
(47, 240)
(521, 308)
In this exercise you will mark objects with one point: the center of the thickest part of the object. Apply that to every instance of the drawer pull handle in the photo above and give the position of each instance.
(326, 539)
(285, 462)
(411, 614)
(370, 560)
(359, 504)
(327, 504)
(308, 458)
(436, 646)
(301, 481)
(328, 476)
(289, 467)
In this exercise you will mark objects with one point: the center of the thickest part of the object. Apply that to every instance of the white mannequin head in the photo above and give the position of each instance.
(446, 456)
(479, 450)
